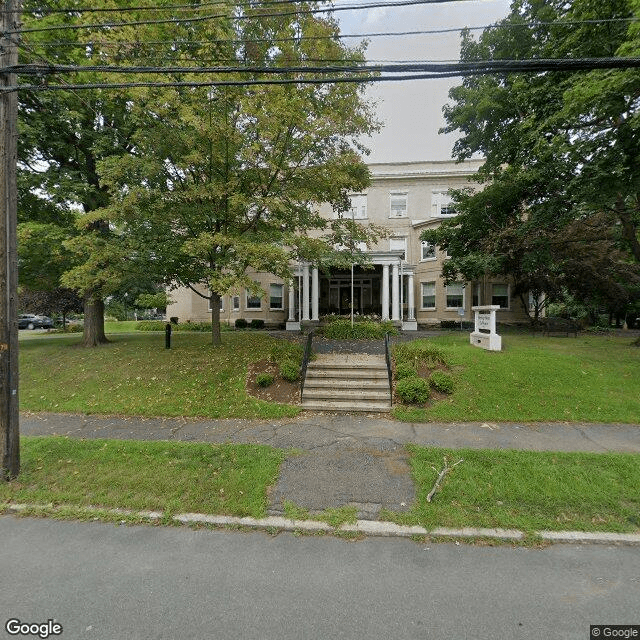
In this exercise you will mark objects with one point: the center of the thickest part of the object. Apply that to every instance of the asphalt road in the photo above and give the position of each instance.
(104, 581)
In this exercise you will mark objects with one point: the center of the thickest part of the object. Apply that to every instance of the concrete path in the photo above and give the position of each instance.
(347, 459)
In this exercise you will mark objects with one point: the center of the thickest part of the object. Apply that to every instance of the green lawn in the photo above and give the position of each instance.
(165, 476)
(526, 490)
(589, 378)
(136, 375)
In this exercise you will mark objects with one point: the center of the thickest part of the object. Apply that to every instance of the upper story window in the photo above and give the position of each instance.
(442, 205)
(428, 251)
(358, 210)
(398, 204)
(398, 244)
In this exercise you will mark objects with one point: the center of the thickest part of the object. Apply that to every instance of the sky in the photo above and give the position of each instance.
(412, 110)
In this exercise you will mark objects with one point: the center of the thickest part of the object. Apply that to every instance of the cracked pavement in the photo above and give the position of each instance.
(343, 459)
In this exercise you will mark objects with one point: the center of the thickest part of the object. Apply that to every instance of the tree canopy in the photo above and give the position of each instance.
(224, 182)
(560, 210)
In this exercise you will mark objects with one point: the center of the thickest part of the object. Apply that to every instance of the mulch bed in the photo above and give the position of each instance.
(280, 391)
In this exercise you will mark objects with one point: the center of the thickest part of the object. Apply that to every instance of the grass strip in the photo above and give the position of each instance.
(173, 477)
(135, 375)
(533, 379)
(525, 490)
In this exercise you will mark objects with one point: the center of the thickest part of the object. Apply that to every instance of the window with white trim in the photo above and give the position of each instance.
(442, 205)
(455, 295)
(236, 303)
(398, 244)
(276, 296)
(253, 302)
(398, 204)
(428, 251)
(358, 210)
(428, 295)
(500, 295)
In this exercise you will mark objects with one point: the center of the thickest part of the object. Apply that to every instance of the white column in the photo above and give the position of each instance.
(315, 294)
(411, 301)
(305, 292)
(385, 291)
(395, 293)
(292, 302)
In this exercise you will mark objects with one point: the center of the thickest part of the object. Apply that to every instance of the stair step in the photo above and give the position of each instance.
(329, 364)
(373, 374)
(345, 394)
(346, 405)
(332, 383)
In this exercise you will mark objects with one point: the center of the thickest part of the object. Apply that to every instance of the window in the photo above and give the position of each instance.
(428, 295)
(276, 296)
(500, 295)
(358, 208)
(253, 302)
(398, 205)
(476, 296)
(398, 244)
(455, 296)
(442, 205)
(236, 303)
(428, 251)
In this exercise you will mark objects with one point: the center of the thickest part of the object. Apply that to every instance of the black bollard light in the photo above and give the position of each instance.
(167, 336)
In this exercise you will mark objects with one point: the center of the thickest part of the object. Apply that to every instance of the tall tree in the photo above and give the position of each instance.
(562, 153)
(64, 135)
(227, 181)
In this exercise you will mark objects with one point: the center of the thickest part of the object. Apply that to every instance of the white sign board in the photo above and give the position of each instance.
(484, 321)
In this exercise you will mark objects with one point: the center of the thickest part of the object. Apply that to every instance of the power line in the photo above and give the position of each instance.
(533, 64)
(45, 11)
(419, 72)
(112, 25)
(331, 37)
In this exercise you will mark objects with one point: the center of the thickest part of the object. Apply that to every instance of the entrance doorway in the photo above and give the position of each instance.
(340, 295)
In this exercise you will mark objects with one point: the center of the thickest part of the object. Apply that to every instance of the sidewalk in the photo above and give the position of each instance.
(354, 460)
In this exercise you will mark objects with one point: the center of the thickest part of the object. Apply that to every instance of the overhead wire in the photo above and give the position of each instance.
(133, 23)
(380, 34)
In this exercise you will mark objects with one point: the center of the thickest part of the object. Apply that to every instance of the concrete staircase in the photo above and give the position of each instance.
(347, 382)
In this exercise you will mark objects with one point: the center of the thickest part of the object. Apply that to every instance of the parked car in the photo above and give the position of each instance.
(31, 321)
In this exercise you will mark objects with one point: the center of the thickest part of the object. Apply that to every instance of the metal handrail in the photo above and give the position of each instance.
(387, 354)
(305, 361)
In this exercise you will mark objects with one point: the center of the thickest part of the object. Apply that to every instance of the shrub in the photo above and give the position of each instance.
(413, 390)
(264, 379)
(257, 324)
(405, 371)
(341, 329)
(173, 319)
(241, 323)
(289, 370)
(442, 381)
(449, 324)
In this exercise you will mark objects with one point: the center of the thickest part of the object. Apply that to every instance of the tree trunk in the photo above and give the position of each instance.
(93, 333)
(215, 318)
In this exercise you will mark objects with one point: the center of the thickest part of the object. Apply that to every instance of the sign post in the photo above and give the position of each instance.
(484, 334)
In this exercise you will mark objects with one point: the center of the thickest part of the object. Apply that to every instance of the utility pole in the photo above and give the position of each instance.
(9, 414)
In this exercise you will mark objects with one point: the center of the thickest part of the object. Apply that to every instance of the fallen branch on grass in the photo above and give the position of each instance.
(441, 476)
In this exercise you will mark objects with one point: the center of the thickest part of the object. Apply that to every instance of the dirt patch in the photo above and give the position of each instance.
(280, 391)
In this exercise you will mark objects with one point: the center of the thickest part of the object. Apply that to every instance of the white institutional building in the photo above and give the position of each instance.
(402, 281)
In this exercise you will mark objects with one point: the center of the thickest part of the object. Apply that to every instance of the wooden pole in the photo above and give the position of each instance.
(9, 414)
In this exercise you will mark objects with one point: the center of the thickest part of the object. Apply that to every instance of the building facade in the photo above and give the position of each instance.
(402, 281)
